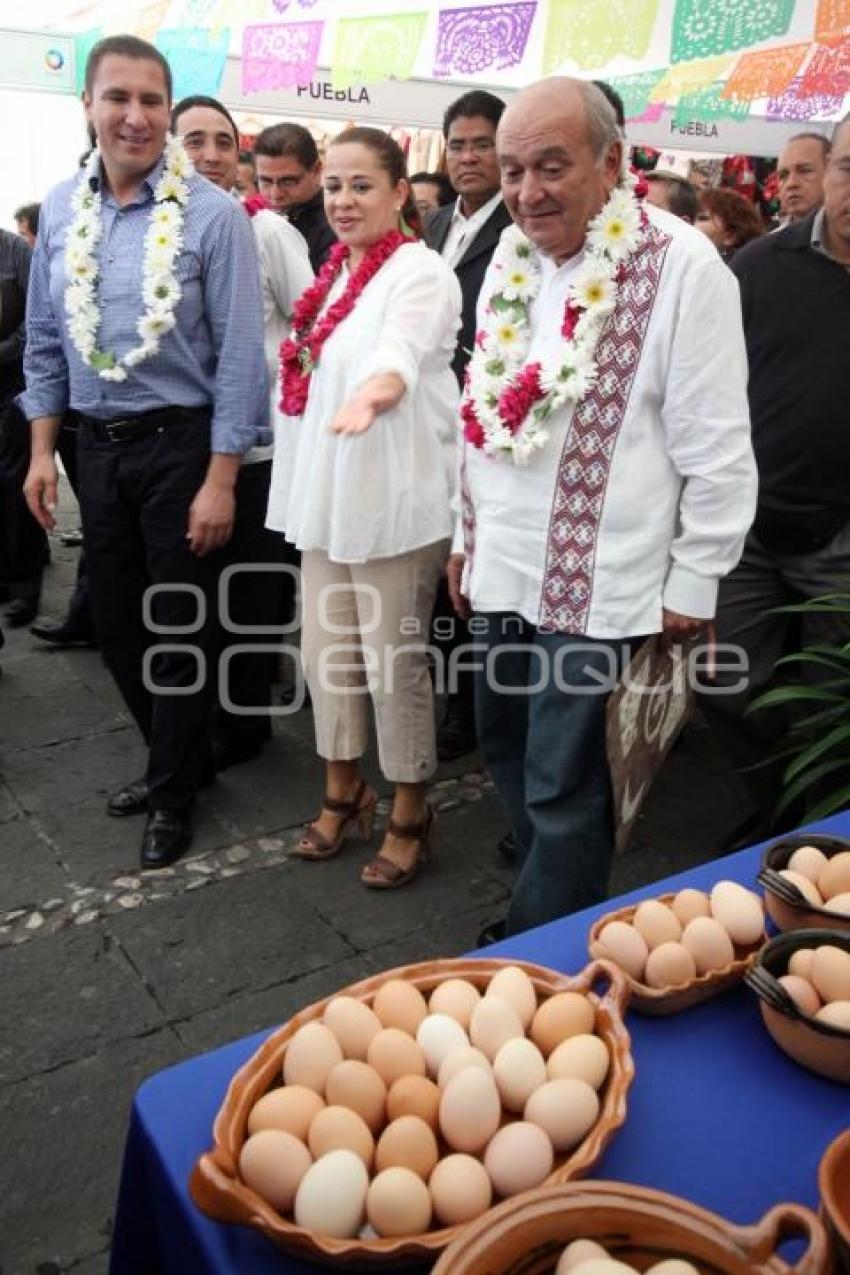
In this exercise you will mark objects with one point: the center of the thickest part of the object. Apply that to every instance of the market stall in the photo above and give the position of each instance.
(716, 1113)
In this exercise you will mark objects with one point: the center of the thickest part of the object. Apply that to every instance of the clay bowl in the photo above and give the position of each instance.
(659, 1001)
(818, 1046)
(834, 1185)
(638, 1226)
(788, 914)
(215, 1184)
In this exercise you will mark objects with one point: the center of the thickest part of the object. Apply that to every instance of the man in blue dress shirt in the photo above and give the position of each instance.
(145, 318)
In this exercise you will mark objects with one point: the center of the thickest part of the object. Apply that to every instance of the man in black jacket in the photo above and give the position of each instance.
(289, 177)
(466, 233)
(795, 293)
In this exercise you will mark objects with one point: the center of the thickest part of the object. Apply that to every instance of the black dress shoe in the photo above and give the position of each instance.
(234, 749)
(508, 848)
(132, 799)
(167, 835)
(492, 933)
(63, 633)
(456, 737)
(19, 612)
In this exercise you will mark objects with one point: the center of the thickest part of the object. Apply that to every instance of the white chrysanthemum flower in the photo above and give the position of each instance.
(167, 215)
(520, 283)
(161, 291)
(613, 232)
(77, 299)
(152, 326)
(508, 336)
(82, 270)
(594, 289)
(113, 374)
(171, 187)
(140, 353)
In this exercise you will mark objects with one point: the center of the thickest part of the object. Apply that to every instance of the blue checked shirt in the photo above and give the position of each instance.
(213, 356)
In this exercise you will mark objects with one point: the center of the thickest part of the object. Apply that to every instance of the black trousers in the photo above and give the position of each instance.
(79, 607)
(23, 543)
(134, 500)
(448, 632)
(256, 599)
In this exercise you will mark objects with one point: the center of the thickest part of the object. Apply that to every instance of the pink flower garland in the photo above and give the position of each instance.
(300, 353)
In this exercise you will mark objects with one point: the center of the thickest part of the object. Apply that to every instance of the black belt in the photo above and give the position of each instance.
(127, 429)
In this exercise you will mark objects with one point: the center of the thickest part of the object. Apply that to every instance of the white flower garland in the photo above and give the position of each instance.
(501, 348)
(160, 285)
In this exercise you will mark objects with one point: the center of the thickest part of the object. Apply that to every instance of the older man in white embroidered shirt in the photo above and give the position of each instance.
(608, 479)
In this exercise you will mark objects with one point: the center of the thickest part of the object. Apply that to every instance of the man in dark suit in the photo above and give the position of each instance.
(466, 233)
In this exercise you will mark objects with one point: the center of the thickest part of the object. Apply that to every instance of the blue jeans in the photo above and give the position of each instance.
(540, 701)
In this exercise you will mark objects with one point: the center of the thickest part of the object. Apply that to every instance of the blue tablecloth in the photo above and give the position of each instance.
(716, 1113)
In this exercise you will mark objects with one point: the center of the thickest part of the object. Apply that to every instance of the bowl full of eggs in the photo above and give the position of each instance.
(681, 949)
(802, 979)
(834, 1185)
(375, 1124)
(610, 1228)
(806, 882)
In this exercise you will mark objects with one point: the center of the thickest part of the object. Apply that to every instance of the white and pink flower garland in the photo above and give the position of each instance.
(507, 401)
(160, 285)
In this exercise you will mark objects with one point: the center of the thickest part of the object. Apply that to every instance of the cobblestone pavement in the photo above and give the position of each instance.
(107, 976)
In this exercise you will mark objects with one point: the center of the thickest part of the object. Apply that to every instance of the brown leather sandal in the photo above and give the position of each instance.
(381, 873)
(356, 816)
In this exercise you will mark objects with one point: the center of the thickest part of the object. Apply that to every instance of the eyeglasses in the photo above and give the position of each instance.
(478, 146)
(280, 183)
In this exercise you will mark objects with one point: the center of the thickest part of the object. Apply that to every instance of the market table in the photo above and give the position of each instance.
(716, 1113)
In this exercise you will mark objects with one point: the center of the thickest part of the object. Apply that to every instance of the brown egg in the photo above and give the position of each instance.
(565, 1110)
(400, 1004)
(577, 1253)
(836, 1014)
(831, 973)
(456, 997)
(290, 1108)
(514, 986)
(563, 1015)
(493, 1023)
(358, 1086)
(835, 877)
(669, 965)
(398, 1203)
(273, 1163)
(353, 1023)
(408, 1142)
(519, 1068)
(518, 1158)
(839, 904)
(802, 993)
(393, 1053)
(809, 891)
(414, 1096)
(656, 923)
(689, 903)
(458, 1059)
(470, 1111)
(311, 1056)
(808, 861)
(800, 962)
(340, 1129)
(582, 1057)
(625, 946)
(460, 1189)
(672, 1266)
(739, 911)
(708, 943)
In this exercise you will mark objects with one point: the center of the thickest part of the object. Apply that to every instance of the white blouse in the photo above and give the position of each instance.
(388, 491)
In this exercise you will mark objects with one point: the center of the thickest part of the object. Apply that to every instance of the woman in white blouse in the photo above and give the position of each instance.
(362, 482)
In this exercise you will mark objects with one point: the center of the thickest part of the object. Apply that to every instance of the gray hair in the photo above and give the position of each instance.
(602, 126)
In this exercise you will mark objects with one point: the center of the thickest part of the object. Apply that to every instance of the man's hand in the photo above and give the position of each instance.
(41, 490)
(454, 575)
(211, 517)
(354, 417)
(680, 628)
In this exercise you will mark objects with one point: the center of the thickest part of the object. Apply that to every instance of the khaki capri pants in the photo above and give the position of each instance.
(365, 633)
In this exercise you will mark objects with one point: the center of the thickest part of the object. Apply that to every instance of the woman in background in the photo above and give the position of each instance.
(728, 219)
